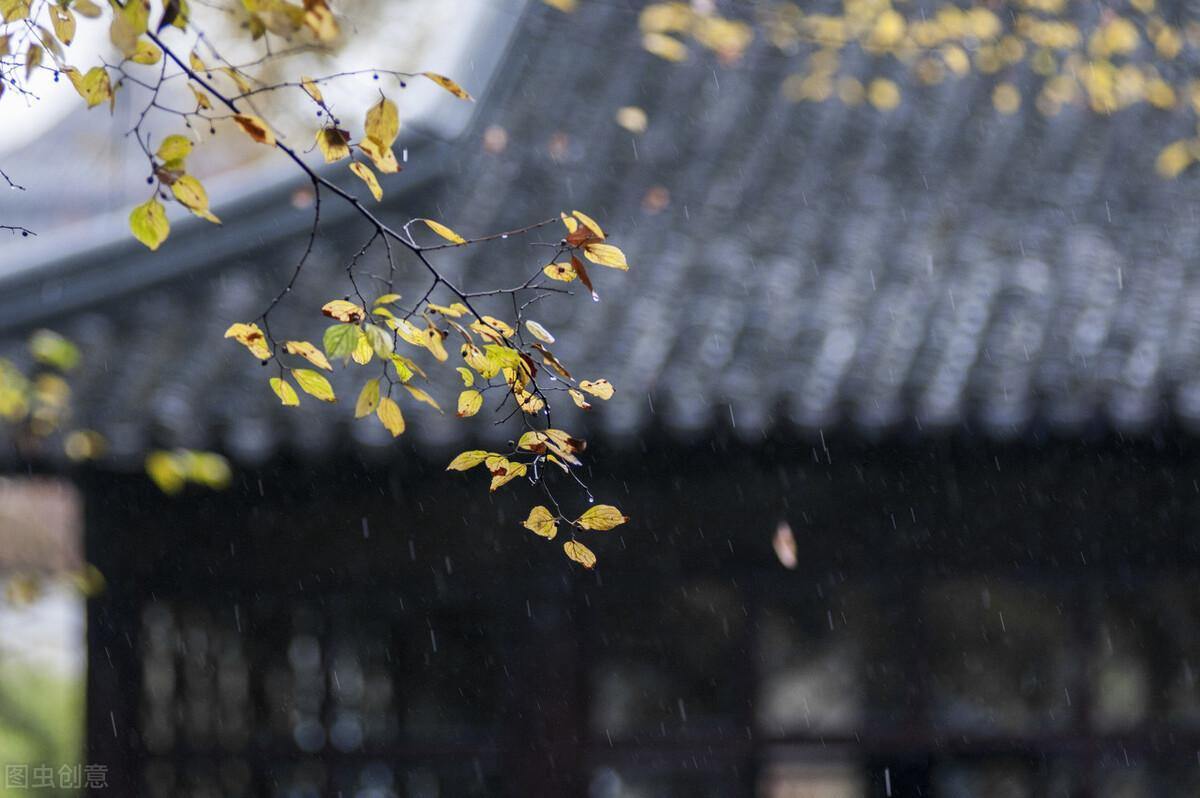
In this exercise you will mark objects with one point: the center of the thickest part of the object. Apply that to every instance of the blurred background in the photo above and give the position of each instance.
(907, 395)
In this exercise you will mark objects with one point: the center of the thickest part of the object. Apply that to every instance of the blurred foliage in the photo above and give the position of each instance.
(1057, 55)
(36, 406)
(41, 715)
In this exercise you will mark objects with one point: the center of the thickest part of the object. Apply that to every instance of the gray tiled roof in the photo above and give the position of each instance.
(818, 265)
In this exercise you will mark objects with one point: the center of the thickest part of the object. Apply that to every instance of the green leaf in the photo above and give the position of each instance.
(53, 349)
(314, 384)
(380, 340)
(148, 222)
(340, 340)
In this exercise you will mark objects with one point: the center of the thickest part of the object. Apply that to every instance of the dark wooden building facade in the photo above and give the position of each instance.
(965, 620)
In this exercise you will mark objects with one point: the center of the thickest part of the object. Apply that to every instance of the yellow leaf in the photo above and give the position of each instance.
(286, 393)
(491, 326)
(664, 46)
(449, 85)
(202, 101)
(174, 148)
(578, 398)
(601, 517)
(552, 362)
(529, 402)
(1173, 159)
(192, 196)
(320, 20)
(333, 143)
(477, 360)
(55, 350)
(444, 231)
(606, 255)
(389, 413)
(86, 8)
(454, 311)
(383, 123)
(255, 128)
(541, 522)
(539, 332)
(208, 469)
(602, 389)
(314, 384)
(380, 341)
(63, 22)
(167, 471)
(406, 367)
(196, 64)
(251, 337)
(311, 88)
(381, 155)
(432, 340)
(145, 53)
(341, 310)
(580, 553)
(632, 118)
(13, 10)
(506, 357)
(148, 222)
(421, 396)
(93, 86)
(589, 223)
(563, 272)
(309, 352)
(130, 21)
(506, 473)
(363, 351)
(388, 299)
(565, 6)
(1006, 99)
(468, 460)
(884, 94)
(368, 399)
(533, 441)
(367, 176)
(566, 446)
(408, 332)
(570, 222)
(468, 377)
(240, 81)
(469, 402)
